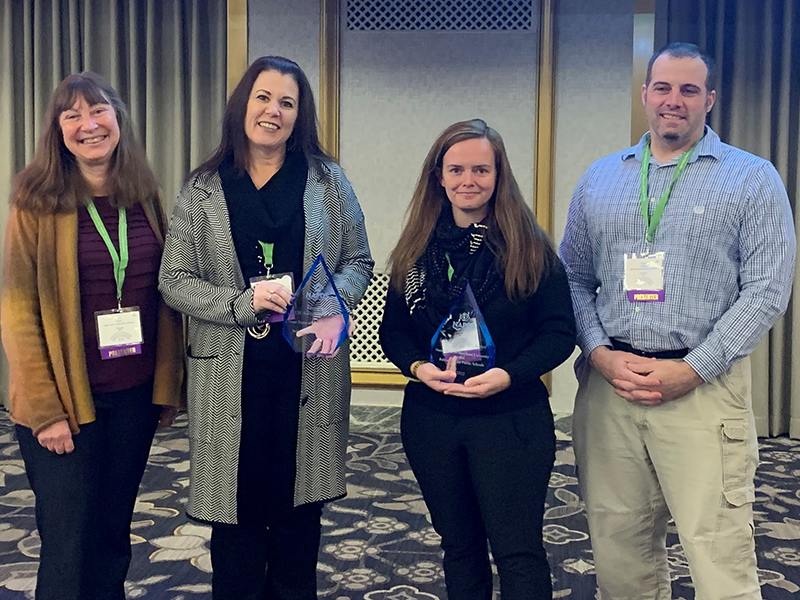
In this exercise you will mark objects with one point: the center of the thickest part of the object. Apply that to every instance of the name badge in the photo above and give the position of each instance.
(644, 277)
(119, 332)
(285, 279)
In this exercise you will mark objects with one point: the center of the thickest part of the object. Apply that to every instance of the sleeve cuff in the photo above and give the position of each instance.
(39, 427)
(242, 309)
(589, 340)
(707, 366)
(406, 368)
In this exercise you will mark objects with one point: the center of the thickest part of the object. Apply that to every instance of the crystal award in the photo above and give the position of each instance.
(316, 322)
(462, 342)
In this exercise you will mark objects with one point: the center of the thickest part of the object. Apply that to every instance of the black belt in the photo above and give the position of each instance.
(618, 345)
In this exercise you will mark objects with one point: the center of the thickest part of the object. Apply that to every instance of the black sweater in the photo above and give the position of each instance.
(531, 337)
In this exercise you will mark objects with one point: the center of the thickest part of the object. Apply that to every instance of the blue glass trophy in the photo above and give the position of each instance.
(316, 322)
(463, 343)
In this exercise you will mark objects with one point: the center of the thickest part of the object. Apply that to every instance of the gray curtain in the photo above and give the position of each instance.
(167, 59)
(756, 46)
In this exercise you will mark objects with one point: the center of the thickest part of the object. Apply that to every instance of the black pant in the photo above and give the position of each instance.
(275, 559)
(85, 499)
(272, 553)
(485, 477)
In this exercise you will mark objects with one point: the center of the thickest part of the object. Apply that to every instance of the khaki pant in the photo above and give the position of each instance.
(694, 458)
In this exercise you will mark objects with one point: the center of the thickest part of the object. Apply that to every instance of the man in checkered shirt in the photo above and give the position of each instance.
(680, 253)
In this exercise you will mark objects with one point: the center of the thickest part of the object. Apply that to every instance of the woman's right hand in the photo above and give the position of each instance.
(57, 438)
(271, 295)
(434, 377)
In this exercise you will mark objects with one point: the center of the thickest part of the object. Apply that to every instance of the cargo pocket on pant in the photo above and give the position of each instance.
(733, 540)
(737, 486)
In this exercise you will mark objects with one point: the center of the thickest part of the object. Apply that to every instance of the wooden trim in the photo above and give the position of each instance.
(237, 42)
(543, 173)
(381, 379)
(543, 170)
(329, 75)
(644, 33)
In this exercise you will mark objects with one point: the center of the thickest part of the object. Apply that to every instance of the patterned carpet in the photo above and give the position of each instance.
(377, 543)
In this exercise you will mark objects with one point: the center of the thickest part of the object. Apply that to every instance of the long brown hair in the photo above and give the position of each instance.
(52, 181)
(524, 251)
(234, 143)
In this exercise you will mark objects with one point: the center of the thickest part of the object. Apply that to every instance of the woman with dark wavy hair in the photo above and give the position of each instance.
(94, 353)
(268, 426)
(482, 450)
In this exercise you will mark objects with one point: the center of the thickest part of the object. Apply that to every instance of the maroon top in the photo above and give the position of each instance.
(99, 292)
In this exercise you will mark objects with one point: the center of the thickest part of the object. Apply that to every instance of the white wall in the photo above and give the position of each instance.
(400, 89)
(287, 28)
(594, 57)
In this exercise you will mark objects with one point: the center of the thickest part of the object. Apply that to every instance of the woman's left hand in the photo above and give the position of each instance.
(167, 417)
(484, 385)
(327, 330)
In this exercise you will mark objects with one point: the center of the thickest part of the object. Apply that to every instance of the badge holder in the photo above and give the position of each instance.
(317, 321)
(462, 342)
(119, 332)
(261, 330)
(644, 277)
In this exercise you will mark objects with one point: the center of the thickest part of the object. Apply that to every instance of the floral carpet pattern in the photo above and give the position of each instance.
(378, 543)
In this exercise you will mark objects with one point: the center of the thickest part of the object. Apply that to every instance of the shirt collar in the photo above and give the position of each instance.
(710, 145)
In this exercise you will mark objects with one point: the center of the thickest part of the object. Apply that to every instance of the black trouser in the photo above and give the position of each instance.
(85, 499)
(485, 477)
(272, 553)
(275, 559)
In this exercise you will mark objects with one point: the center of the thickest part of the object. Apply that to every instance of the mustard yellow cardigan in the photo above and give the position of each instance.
(42, 332)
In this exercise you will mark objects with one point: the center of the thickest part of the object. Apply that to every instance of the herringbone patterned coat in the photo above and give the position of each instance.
(201, 277)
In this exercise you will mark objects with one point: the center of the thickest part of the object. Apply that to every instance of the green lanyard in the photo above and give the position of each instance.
(267, 249)
(120, 259)
(450, 270)
(644, 200)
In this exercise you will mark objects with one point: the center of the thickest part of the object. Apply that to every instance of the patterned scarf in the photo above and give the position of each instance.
(427, 285)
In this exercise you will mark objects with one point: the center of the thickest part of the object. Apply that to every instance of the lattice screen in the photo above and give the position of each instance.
(439, 15)
(365, 349)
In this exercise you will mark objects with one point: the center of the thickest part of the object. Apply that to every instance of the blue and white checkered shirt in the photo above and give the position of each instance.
(729, 240)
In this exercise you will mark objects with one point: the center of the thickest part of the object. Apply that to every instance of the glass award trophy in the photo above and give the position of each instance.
(462, 343)
(316, 322)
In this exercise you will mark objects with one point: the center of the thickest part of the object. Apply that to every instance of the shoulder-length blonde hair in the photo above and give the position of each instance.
(52, 181)
(524, 251)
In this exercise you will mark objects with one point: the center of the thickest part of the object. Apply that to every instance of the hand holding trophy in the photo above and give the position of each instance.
(328, 332)
(317, 322)
(462, 342)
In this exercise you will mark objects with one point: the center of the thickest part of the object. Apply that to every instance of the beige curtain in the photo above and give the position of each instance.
(167, 58)
(756, 46)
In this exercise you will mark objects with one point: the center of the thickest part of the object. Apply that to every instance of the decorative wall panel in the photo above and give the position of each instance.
(365, 349)
(440, 15)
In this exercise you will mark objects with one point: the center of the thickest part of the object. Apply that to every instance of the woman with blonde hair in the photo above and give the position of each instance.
(482, 450)
(95, 355)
